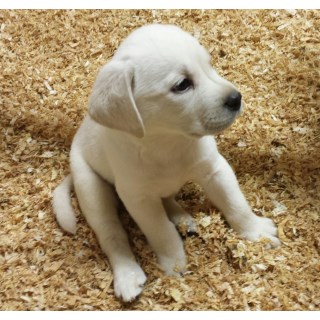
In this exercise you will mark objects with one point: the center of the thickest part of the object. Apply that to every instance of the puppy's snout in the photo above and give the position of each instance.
(233, 101)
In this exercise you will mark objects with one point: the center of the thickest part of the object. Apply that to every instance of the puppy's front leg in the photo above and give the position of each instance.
(98, 203)
(161, 233)
(223, 190)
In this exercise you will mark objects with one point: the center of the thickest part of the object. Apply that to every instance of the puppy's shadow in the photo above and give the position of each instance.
(52, 126)
(270, 166)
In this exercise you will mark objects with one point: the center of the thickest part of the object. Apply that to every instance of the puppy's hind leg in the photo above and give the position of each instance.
(182, 219)
(98, 203)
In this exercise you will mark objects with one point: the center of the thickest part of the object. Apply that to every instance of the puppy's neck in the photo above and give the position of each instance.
(166, 141)
(164, 138)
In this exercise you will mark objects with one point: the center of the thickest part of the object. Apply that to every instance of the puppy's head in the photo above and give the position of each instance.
(160, 80)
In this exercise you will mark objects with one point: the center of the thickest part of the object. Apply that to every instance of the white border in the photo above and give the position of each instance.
(160, 315)
(160, 4)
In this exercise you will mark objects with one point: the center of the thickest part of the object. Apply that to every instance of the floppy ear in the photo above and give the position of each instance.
(111, 102)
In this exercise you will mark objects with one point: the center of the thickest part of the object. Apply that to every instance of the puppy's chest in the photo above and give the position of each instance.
(156, 167)
(166, 174)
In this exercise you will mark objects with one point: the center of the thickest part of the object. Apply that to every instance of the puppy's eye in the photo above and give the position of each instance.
(182, 86)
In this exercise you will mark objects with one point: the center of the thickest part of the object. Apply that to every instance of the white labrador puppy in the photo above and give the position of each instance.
(152, 113)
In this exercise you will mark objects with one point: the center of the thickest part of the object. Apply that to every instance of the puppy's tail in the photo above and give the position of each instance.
(62, 206)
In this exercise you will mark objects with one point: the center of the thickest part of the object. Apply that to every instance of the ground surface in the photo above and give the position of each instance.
(48, 62)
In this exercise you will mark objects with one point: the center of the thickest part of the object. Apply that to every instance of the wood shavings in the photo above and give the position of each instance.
(301, 130)
(47, 154)
(283, 26)
(176, 295)
(279, 208)
(205, 221)
(242, 144)
(41, 214)
(49, 61)
(259, 267)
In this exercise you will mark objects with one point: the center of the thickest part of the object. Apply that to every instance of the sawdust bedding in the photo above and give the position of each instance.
(49, 60)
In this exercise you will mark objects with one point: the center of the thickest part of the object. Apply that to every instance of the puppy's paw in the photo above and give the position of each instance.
(186, 225)
(128, 282)
(183, 221)
(173, 266)
(261, 227)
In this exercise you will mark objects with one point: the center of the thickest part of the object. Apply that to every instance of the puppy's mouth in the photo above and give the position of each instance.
(210, 129)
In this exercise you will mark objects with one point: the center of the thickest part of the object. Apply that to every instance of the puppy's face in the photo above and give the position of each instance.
(174, 85)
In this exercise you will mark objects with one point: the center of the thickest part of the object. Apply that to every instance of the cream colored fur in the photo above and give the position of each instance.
(142, 140)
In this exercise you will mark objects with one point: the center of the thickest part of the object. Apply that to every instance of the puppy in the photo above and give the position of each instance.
(152, 113)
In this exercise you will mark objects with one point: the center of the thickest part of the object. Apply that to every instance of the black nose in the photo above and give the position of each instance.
(233, 101)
